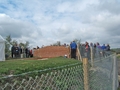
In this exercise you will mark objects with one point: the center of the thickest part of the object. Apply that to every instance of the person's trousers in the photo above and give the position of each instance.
(73, 53)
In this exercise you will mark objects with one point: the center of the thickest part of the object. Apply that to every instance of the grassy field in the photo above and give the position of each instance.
(14, 67)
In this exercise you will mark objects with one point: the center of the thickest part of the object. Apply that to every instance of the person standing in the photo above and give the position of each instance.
(103, 47)
(27, 52)
(73, 47)
(16, 52)
(108, 49)
(13, 51)
(22, 51)
(94, 50)
(98, 50)
(87, 50)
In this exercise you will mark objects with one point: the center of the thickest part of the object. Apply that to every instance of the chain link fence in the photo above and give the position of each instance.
(98, 72)
(65, 79)
(102, 69)
(103, 74)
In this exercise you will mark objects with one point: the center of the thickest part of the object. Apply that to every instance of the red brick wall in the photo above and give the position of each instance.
(51, 51)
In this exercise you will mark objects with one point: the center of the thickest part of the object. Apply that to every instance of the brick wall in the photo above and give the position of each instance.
(51, 51)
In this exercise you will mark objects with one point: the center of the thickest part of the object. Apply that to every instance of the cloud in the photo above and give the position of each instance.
(111, 6)
(45, 22)
(17, 28)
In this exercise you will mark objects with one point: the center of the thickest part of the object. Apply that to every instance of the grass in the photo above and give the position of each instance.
(118, 56)
(15, 67)
(119, 88)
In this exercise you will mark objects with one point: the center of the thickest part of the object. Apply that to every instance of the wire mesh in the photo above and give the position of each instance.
(96, 52)
(102, 68)
(65, 79)
(102, 75)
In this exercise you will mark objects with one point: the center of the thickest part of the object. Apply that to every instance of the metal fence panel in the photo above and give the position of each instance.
(102, 75)
(65, 79)
(102, 68)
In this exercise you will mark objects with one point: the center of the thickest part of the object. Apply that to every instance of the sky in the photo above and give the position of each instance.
(45, 22)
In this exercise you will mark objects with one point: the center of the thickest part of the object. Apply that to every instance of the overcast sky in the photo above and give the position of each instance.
(44, 22)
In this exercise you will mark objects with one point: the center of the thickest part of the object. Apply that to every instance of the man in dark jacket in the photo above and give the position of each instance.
(13, 51)
(73, 47)
(27, 52)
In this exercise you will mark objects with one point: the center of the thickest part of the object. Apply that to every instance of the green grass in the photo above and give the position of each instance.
(22, 66)
(119, 88)
(118, 56)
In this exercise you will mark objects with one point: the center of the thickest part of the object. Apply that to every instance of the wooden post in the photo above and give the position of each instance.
(70, 52)
(115, 74)
(85, 74)
(79, 54)
(92, 60)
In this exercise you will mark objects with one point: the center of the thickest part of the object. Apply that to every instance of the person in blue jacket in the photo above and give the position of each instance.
(103, 48)
(73, 47)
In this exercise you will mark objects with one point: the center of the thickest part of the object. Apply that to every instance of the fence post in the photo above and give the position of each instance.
(115, 75)
(92, 60)
(79, 54)
(85, 74)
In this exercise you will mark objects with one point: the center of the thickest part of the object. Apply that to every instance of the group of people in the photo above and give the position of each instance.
(15, 51)
(18, 52)
(97, 49)
(85, 49)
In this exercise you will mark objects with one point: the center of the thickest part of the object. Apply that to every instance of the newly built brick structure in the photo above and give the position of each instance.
(52, 51)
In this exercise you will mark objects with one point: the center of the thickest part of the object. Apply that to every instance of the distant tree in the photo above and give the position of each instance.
(26, 44)
(78, 41)
(14, 42)
(58, 43)
(22, 44)
(8, 44)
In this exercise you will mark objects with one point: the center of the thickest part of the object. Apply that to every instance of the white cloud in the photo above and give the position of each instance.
(45, 22)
